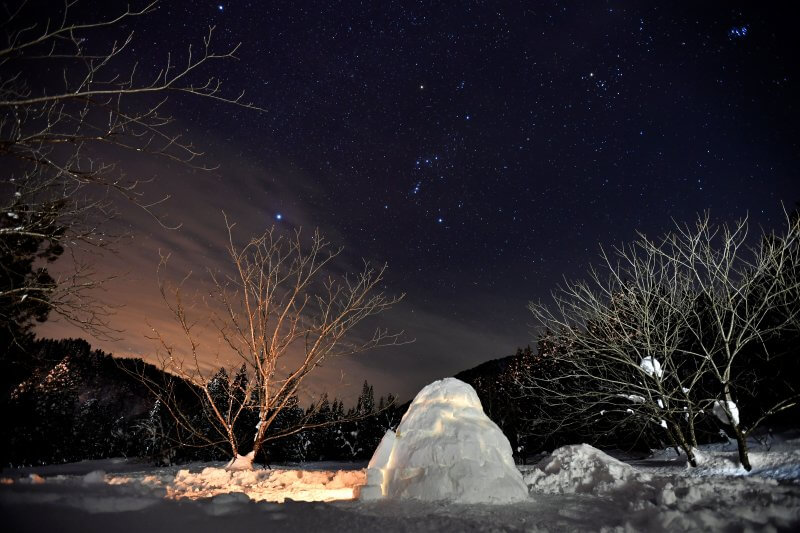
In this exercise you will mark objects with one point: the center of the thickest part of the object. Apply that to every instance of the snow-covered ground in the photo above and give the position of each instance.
(577, 488)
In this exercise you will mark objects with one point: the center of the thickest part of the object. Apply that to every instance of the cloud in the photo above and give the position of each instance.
(251, 195)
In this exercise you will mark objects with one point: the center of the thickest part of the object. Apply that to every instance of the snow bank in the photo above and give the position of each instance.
(581, 468)
(208, 498)
(445, 448)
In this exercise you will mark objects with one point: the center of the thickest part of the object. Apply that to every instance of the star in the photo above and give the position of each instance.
(553, 144)
(738, 32)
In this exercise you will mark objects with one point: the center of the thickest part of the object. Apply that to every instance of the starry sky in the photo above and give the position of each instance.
(484, 150)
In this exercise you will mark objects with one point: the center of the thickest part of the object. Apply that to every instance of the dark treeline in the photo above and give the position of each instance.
(64, 402)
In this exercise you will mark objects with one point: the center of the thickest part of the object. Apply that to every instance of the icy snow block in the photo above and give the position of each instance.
(374, 476)
(384, 450)
(446, 448)
(369, 492)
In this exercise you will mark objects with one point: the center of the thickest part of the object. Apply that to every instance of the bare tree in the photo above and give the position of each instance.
(280, 315)
(669, 331)
(746, 293)
(72, 99)
(614, 342)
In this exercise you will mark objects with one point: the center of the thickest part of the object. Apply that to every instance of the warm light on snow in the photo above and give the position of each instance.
(267, 485)
(275, 485)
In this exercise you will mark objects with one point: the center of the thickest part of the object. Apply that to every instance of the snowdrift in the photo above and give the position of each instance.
(445, 448)
(581, 468)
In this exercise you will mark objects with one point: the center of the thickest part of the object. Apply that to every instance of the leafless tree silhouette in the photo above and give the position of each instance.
(279, 315)
(72, 99)
(661, 331)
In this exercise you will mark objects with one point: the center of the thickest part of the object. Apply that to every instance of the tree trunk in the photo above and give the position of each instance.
(232, 442)
(741, 443)
(684, 445)
(692, 436)
(674, 442)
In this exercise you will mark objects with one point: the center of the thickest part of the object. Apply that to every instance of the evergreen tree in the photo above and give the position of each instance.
(25, 283)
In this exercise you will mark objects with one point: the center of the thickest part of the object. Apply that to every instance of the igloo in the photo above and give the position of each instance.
(445, 448)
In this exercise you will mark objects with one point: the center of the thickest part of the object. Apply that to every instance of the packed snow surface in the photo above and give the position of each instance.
(576, 488)
(445, 448)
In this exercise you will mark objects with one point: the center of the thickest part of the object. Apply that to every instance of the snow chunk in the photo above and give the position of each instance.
(445, 448)
(651, 366)
(241, 462)
(580, 468)
(227, 503)
(94, 477)
(719, 412)
(33, 479)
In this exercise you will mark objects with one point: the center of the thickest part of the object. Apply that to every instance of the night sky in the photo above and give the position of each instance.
(483, 150)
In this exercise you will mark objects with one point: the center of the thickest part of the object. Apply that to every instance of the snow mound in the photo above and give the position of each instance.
(241, 462)
(580, 468)
(445, 448)
(94, 477)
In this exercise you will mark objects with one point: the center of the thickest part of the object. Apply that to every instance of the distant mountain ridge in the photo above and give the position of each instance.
(62, 401)
(65, 401)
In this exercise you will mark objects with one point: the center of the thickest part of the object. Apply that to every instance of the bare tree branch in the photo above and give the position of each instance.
(60, 137)
(279, 316)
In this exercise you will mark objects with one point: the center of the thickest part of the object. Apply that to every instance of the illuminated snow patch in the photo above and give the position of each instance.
(275, 485)
(267, 485)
